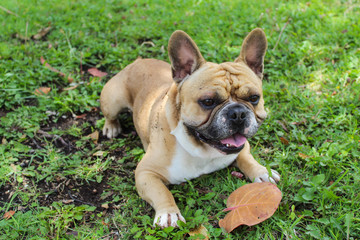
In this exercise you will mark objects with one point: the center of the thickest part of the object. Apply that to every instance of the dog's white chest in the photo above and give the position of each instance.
(185, 166)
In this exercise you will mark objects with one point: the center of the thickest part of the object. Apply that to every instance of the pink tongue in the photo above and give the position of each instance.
(236, 140)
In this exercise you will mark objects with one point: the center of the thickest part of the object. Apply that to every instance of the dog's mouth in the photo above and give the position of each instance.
(229, 145)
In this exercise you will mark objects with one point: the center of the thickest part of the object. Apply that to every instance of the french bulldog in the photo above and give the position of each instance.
(193, 117)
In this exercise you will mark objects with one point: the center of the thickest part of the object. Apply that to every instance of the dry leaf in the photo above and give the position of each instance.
(105, 205)
(303, 121)
(284, 141)
(96, 72)
(303, 156)
(8, 214)
(200, 230)
(94, 136)
(82, 116)
(250, 205)
(99, 153)
(20, 208)
(94, 109)
(104, 223)
(70, 88)
(42, 91)
(13, 166)
(41, 33)
(43, 61)
(67, 201)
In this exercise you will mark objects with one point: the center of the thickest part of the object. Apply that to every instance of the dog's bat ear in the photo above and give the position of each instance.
(253, 51)
(184, 55)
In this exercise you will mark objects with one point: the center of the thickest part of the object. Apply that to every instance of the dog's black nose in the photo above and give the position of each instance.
(237, 114)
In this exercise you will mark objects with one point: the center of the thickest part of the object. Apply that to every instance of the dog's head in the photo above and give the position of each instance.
(220, 105)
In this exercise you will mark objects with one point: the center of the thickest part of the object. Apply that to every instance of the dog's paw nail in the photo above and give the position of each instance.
(266, 177)
(257, 180)
(275, 175)
(111, 129)
(112, 132)
(168, 219)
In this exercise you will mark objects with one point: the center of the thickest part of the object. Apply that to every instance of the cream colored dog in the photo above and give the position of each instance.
(193, 117)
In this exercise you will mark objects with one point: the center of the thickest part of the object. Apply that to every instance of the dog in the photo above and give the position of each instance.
(193, 117)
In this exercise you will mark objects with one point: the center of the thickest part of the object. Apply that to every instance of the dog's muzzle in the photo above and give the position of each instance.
(229, 128)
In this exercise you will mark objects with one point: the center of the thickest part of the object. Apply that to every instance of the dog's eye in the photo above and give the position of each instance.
(254, 99)
(207, 103)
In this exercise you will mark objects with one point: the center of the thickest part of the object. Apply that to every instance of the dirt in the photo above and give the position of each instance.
(74, 191)
(5, 192)
(68, 190)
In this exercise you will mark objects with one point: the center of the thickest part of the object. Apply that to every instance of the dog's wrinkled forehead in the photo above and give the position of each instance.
(237, 76)
(233, 78)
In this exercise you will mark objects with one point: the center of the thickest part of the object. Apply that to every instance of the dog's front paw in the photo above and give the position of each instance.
(168, 219)
(111, 128)
(265, 177)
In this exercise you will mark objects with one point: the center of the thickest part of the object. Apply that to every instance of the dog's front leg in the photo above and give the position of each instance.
(254, 170)
(151, 188)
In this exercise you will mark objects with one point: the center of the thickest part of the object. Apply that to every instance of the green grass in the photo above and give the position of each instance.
(71, 190)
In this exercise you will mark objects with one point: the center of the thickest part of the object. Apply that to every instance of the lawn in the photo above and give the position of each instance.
(60, 178)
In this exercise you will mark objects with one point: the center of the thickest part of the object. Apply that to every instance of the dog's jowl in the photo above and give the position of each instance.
(193, 117)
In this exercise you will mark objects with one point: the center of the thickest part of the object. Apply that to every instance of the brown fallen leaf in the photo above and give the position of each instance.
(99, 153)
(284, 141)
(41, 33)
(94, 136)
(42, 91)
(105, 205)
(302, 122)
(94, 109)
(104, 223)
(250, 205)
(70, 88)
(303, 156)
(14, 168)
(200, 230)
(82, 116)
(96, 72)
(43, 62)
(8, 214)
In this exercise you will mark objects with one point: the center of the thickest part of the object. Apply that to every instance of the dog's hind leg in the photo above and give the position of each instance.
(113, 100)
